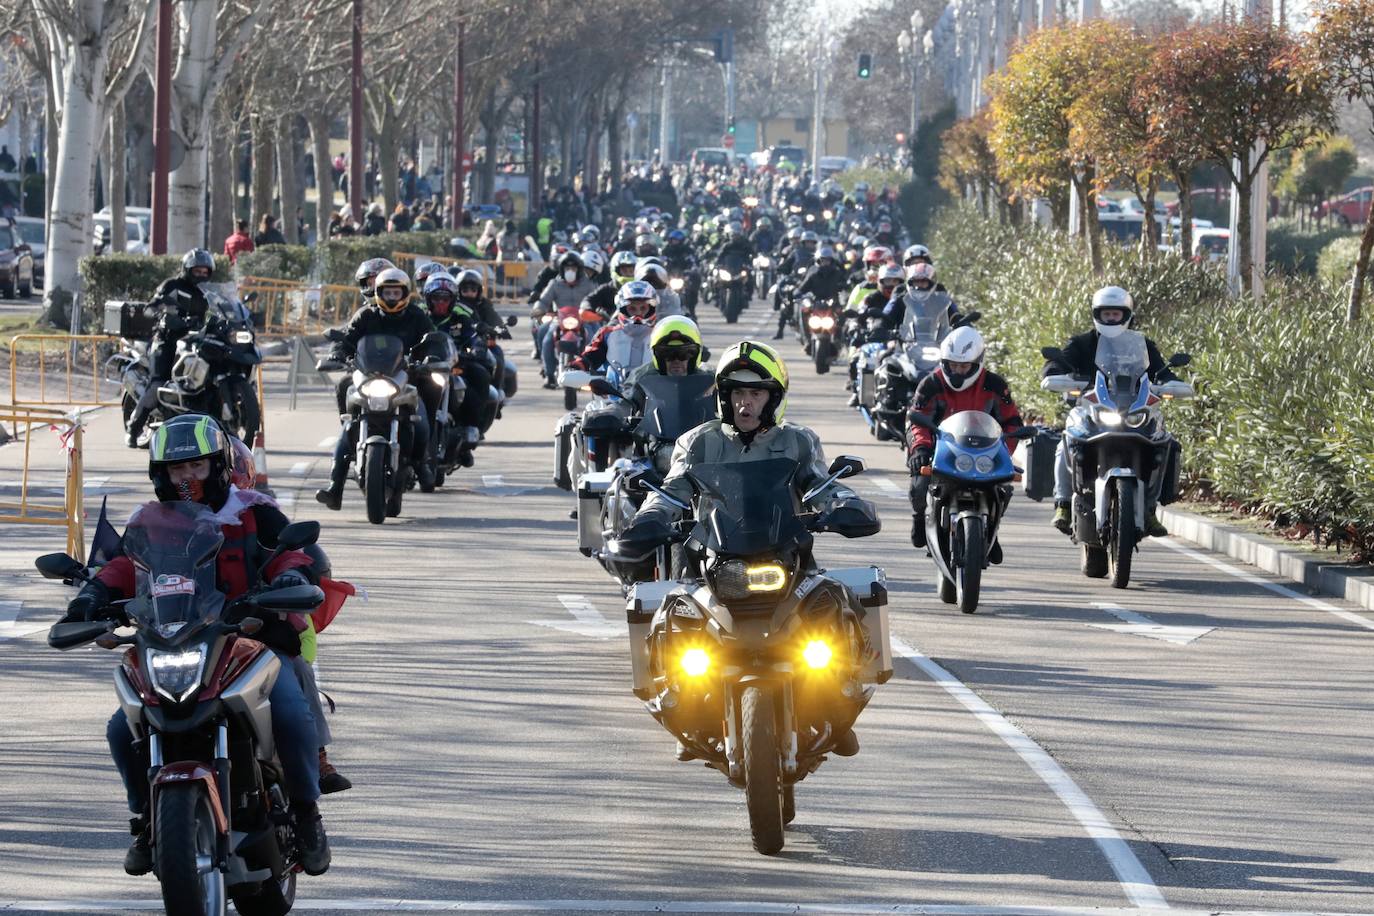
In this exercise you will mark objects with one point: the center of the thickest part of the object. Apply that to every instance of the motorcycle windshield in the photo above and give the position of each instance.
(752, 507)
(673, 405)
(972, 430)
(173, 546)
(232, 311)
(1122, 362)
(380, 354)
(925, 319)
(732, 261)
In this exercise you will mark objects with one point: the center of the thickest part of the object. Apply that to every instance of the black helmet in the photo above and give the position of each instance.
(367, 273)
(197, 257)
(191, 437)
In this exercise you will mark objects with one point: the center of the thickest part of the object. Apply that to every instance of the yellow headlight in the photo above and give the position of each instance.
(695, 662)
(817, 653)
(767, 578)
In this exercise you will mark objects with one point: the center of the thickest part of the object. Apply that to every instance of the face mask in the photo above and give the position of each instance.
(192, 490)
(570, 276)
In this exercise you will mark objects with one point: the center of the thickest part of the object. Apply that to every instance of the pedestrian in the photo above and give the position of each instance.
(239, 242)
(7, 163)
(268, 233)
(374, 223)
(401, 220)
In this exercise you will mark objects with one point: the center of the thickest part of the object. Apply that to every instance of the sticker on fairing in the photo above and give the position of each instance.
(165, 585)
(808, 586)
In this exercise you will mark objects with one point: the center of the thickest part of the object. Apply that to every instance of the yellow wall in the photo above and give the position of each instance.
(776, 130)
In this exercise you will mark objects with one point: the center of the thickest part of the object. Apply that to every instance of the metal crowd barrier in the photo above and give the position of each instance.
(507, 282)
(66, 383)
(29, 510)
(290, 308)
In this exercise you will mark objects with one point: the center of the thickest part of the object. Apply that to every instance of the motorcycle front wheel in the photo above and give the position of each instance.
(271, 898)
(822, 356)
(763, 789)
(374, 482)
(1121, 545)
(248, 412)
(185, 851)
(970, 572)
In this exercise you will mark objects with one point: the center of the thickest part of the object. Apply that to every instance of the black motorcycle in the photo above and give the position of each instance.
(731, 281)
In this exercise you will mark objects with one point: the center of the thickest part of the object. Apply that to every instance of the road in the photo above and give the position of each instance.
(1049, 752)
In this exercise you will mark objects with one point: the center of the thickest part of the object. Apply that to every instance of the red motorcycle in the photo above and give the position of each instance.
(195, 688)
(576, 327)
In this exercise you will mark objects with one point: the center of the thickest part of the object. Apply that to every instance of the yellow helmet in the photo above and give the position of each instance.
(750, 364)
(672, 334)
(390, 277)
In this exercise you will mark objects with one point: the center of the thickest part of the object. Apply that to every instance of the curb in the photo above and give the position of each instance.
(1353, 584)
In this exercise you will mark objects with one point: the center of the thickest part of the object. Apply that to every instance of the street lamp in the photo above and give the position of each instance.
(911, 51)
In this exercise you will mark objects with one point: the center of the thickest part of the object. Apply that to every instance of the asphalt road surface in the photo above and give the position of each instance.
(1053, 751)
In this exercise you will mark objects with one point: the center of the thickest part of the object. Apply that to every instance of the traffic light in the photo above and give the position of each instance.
(865, 65)
(730, 127)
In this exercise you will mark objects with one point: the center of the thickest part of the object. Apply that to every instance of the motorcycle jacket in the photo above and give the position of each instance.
(935, 402)
(188, 306)
(410, 325)
(559, 294)
(1080, 359)
(545, 277)
(483, 310)
(763, 240)
(602, 299)
(679, 257)
(621, 343)
(738, 247)
(825, 282)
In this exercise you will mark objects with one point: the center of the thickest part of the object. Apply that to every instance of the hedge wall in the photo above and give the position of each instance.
(337, 259)
(1281, 423)
(132, 276)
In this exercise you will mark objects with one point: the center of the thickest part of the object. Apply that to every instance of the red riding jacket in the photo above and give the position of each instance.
(935, 402)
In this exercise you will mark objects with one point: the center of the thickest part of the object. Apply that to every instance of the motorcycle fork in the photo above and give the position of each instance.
(785, 723)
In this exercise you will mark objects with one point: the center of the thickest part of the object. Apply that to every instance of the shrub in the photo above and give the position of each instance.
(1336, 263)
(1295, 251)
(132, 276)
(282, 262)
(1281, 423)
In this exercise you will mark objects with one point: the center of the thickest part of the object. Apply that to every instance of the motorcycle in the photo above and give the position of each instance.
(380, 391)
(574, 333)
(819, 322)
(902, 367)
(732, 286)
(1117, 444)
(970, 475)
(761, 663)
(442, 388)
(195, 689)
(868, 339)
(685, 279)
(764, 271)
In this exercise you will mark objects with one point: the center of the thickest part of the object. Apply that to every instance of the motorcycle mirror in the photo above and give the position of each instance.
(574, 378)
(1026, 432)
(1053, 354)
(334, 334)
(250, 625)
(604, 388)
(511, 321)
(329, 365)
(250, 298)
(297, 535)
(1179, 360)
(846, 466)
(59, 566)
(1063, 384)
(290, 600)
(64, 636)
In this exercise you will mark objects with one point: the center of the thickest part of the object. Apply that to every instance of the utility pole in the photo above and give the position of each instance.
(536, 159)
(665, 114)
(1087, 10)
(818, 102)
(162, 126)
(459, 144)
(355, 119)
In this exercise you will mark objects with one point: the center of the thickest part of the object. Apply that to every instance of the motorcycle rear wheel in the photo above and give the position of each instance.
(272, 898)
(185, 852)
(374, 482)
(763, 788)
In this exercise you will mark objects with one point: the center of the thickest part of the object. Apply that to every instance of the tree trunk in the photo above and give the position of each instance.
(1184, 179)
(318, 120)
(1353, 311)
(264, 154)
(389, 160)
(1240, 235)
(186, 225)
(82, 118)
(1088, 199)
(615, 150)
(286, 175)
(1149, 236)
(119, 235)
(222, 157)
(1059, 207)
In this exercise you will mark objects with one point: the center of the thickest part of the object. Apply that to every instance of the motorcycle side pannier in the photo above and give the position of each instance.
(562, 450)
(130, 320)
(591, 490)
(869, 585)
(1173, 462)
(1039, 477)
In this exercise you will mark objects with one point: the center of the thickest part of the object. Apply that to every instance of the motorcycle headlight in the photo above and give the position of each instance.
(695, 662)
(571, 324)
(176, 675)
(1137, 419)
(378, 388)
(676, 284)
(439, 378)
(963, 464)
(817, 654)
(930, 354)
(814, 323)
(827, 323)
(828, 214)
(1109, 418)
(243, 337)
(724, 275)
(984, 464)
(736, 579)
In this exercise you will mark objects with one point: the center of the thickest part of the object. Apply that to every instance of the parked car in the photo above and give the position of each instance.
(138, 227)
(1124, 228)
(32, 230)
(1350, 209)
(1211, 245)
(833, 165)
(1136, 206)
(793, 154)
(16, 262)
(1107, 205)
(713, 156)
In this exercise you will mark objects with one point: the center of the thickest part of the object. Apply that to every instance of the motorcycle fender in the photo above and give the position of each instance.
(248, 698)
(1100, 496)
(130, 702)
(185, 771)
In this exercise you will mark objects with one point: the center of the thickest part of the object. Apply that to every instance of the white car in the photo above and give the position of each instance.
(1210, 245)
(138, 227)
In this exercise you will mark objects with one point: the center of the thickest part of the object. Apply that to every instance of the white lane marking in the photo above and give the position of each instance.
(10, 627)
(587, 620)
(329, 442)
(493, 480)
(1140, 625)
(1274, 587)
(299, 469)
(286, 500)
(1135, 880)
(495, 485)
(94, 483)
(397, 905)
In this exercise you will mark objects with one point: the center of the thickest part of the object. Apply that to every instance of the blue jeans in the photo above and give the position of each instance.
(293, 725)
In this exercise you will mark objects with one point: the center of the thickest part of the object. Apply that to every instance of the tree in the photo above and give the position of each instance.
(1318, 171)
(1236, 88)
(967, 162)
(1341, 57)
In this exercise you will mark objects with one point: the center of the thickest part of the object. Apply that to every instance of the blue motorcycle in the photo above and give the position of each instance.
(970, 488)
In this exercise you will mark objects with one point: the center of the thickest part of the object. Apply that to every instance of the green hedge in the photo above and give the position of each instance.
(1281, 423)
(132, 276)
(283, 262)
(1336, 263)
(1295, 251)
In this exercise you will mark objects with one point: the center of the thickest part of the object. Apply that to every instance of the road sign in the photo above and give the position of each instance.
(467, 163)
(727, 141)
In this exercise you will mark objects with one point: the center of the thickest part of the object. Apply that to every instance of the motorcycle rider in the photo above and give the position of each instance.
(751, 385)
(453, 315)
(677, 254)
(825, 280)
(920, 295)
(472, 293)
(960, 383)
(651, 271)
(1113, 312)
(365, 277)
(871, 306)
(919, 254)
(190, 459)
(569, 290)
(186, 310)
(763, 239)
(624, 340)
(391, 312)
(602, 299)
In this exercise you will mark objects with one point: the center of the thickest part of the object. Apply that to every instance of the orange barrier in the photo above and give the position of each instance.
(506, 281)
(290, 308)
(30, 511)
(65, 383)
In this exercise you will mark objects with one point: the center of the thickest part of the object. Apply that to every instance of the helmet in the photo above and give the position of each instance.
(593, 260)
(439, 291)
(636, 290)
(568, 259)
(917, 252)
(621, 260)
(244, 470)
(392, 277)
(890, 276)
(921, 271)
(677, 236)
(590, 233)
(794, 233)
(367, 272)
(467, 279)
(197, 257)
(875, 255)
(426, 270)
(733, 229)
(962, 345)
(652, 272)
(676, 334)
(1112, 297)
(764, 223)
(749, 364)
(810, 238)
(861, 188)
(645, 244)
(191, 437)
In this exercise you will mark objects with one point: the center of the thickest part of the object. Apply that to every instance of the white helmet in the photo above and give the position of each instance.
(917, 251)
(1112, 297)
(593, 260)
(962, 345)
